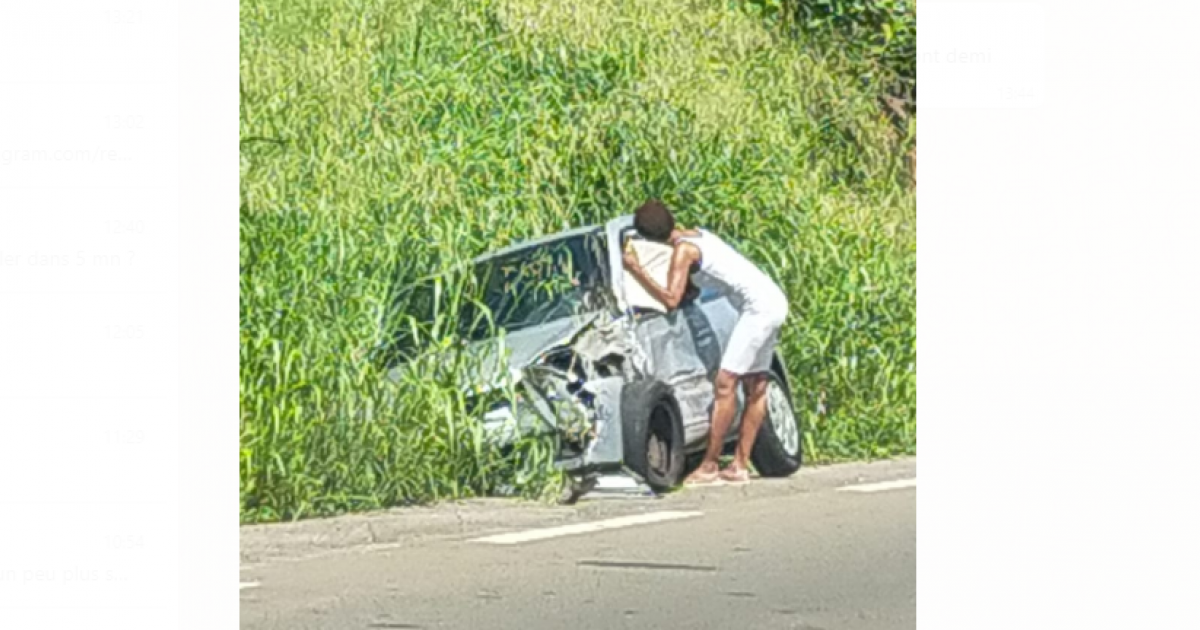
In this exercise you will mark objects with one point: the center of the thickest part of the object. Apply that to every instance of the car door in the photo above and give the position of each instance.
(683, 348)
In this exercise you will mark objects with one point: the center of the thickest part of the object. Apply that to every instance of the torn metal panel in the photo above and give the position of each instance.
(559, 401)
(525, 347)
(538, 401)
(602, 341)
(488, 362)
(614, 340)
(607, 444)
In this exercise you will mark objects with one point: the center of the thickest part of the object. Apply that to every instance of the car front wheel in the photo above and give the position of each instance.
(652, 428)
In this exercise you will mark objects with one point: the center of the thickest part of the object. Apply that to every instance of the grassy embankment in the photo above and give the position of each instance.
(384, 137)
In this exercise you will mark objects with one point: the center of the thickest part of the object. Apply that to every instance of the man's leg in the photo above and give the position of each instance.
(724, 406)
(755, 389)
(760, 340)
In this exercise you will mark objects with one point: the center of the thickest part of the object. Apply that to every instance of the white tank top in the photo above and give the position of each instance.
(726, 271)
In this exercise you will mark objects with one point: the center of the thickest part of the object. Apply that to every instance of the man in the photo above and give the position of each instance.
(762, 308)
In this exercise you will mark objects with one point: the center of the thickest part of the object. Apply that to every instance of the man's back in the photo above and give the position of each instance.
(723, 268)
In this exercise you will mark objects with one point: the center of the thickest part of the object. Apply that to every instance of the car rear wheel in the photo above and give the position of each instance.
(653, 434)
(777, 449)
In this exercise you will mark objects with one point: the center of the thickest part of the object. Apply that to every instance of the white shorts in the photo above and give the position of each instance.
(752, 343)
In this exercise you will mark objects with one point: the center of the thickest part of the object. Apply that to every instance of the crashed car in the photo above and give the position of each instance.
(625, 386)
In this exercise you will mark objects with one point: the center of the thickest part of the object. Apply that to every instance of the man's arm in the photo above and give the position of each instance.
(677, 279)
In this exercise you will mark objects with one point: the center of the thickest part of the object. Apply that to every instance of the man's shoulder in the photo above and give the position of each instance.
(688, 249)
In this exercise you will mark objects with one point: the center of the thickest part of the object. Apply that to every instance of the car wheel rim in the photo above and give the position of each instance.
(658, 446)
(654, 454)
(783, 420)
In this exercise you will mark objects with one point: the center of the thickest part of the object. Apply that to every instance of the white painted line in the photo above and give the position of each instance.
(881, 486)
(246, 585)
(584, 528)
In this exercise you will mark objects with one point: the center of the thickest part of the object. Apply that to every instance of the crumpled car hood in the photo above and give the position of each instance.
(523, 347)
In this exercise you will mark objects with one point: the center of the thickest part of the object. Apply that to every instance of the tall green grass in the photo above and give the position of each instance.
(385, 140)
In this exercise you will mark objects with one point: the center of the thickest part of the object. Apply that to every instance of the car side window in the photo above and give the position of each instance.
(594, 282)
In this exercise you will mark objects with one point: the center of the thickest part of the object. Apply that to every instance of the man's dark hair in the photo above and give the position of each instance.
(654, 221)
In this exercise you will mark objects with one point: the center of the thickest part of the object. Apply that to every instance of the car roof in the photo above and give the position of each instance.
(537, 242)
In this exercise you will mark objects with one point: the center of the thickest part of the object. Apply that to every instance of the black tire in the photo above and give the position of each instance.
(771, 456)
(652, 431)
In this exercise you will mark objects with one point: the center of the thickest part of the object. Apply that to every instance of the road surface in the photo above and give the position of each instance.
(832, 548)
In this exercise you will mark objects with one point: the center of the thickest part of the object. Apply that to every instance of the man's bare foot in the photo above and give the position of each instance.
(707, 473)
(736, 474)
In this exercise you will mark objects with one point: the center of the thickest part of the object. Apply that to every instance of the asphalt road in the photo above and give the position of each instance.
(801, 553)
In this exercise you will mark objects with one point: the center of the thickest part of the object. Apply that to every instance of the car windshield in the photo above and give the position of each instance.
(519, 289)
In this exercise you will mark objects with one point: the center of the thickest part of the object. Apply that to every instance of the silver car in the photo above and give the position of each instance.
(625, 390)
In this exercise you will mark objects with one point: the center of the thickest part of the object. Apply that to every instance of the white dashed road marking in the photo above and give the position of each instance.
(246, 585)
(882, 486)
(584, 528)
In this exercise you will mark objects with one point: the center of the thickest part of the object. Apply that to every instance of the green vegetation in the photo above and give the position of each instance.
(386, 140)
(878, 36)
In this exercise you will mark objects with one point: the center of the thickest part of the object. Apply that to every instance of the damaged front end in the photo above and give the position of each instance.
(574, 390)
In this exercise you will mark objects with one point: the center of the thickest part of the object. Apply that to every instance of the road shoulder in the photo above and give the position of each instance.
(400, 527)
